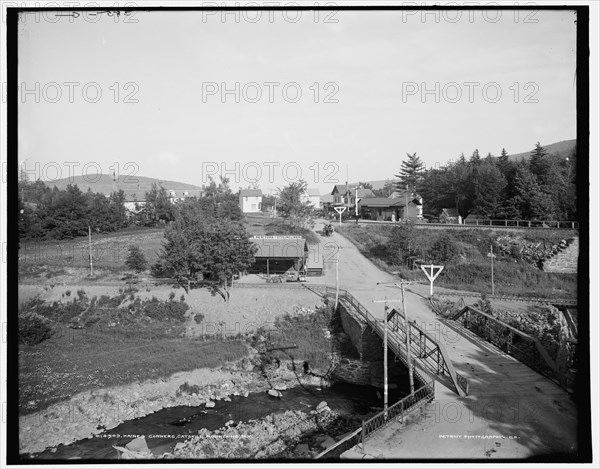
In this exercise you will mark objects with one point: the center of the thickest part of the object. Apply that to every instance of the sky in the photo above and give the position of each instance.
(270, 99)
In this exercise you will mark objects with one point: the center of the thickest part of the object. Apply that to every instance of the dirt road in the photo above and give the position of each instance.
(511, 411)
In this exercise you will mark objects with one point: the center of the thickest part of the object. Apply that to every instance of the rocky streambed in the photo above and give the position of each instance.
(193, 414)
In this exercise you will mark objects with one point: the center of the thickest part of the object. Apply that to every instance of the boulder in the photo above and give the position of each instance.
(274, 393)
(138, 444)
(280, 387)
(322, 406)
(326, 442)
(302, 449)
(210, 404)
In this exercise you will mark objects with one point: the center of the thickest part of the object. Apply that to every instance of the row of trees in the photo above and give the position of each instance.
(60, 214)
(47, 213)
(540, 188)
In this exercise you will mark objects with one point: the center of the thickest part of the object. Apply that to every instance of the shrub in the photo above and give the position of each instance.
(199, 317)
(135, 259)
(165, 310)
(34, 328)
(444, 250)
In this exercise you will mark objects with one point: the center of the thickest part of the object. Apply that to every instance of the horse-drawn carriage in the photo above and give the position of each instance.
(328, 229)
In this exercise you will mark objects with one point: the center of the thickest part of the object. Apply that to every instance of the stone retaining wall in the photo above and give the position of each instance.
(565, 261)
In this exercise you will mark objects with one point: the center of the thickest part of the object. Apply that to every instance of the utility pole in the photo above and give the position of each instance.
(385, 362)
(491, 254)
(385, 353)
(90, 244)
(409, 360)
(411, 378)
(356, 203)
(337, 280)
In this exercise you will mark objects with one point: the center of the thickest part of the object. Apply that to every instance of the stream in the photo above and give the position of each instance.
(165, 428)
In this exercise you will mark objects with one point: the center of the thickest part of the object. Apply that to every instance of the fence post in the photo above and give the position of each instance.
(363, 434)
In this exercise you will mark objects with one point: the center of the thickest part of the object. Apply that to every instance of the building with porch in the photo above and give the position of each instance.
(389, 209)
(279, 254)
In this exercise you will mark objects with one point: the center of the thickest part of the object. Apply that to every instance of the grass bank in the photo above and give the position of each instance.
(464, 255)
(69, 347)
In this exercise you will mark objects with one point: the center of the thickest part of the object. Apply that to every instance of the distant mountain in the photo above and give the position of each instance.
(104, 183)
(563, 148)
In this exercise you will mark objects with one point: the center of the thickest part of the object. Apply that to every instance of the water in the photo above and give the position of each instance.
(165, 428)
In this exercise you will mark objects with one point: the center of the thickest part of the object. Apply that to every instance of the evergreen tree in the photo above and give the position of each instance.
(489, 184)
(530, 200)
(135, 259)
(475, 158)
(538, 161)
(411, 173)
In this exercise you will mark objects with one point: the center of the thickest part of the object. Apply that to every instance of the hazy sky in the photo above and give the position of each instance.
(372, 67)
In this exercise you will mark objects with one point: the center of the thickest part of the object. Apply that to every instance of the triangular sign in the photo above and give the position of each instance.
(432, 271)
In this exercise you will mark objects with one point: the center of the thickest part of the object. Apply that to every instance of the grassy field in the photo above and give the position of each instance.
(471, 269)
(75, 360)
(108, 250)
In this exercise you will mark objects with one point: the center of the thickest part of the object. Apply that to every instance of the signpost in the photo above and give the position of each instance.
(340, 210)
(431, 275)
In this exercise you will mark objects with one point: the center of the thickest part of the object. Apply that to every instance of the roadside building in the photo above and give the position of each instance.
(279, 254)
(346, 194)
(250, 200)
(450, 215)
(389, 209)
(314, 263)
(326, 201)
(134, 201)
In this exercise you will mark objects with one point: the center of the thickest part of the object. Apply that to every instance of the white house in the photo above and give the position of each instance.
(312, 196)
(250, 200)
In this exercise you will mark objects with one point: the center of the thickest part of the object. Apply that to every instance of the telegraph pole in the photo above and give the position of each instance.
(385, 355)
(385, 363)
(409, 361)
(411, 378)
(90, 244)
(337, 279)
(492, 258)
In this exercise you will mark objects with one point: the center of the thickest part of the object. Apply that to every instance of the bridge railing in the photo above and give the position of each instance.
(525, 348)
(421, 396)
(398, 410)
(431, 355)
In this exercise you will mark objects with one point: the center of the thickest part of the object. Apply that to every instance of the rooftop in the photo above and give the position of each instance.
(280, 246)
(251, 193)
